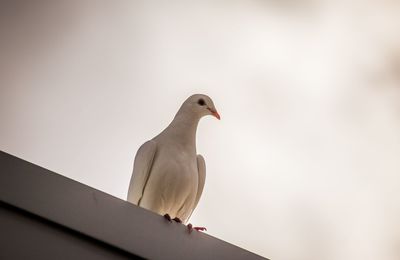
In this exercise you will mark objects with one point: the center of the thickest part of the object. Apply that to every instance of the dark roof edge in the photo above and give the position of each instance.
(103, 217)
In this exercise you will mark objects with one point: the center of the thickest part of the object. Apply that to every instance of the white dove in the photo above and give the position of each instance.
(168, 175)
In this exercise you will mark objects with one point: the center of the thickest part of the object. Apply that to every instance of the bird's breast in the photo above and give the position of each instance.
(176, 176)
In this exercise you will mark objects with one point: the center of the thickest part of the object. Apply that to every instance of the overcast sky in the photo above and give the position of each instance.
(304, 163)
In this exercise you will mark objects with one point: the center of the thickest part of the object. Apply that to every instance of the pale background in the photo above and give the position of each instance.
(304, 163)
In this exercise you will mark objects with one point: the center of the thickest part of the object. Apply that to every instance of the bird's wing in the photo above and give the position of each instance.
(201, 167)
(141, 171)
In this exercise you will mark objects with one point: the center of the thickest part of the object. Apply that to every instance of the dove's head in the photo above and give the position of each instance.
(201, 105)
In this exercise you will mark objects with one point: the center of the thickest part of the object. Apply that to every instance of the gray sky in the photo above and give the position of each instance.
(305, 161)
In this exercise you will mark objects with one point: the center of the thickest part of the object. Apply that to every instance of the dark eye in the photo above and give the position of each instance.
(201, 102)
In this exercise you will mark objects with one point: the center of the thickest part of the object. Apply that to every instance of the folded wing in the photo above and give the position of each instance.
(201, 167)
(141, 171)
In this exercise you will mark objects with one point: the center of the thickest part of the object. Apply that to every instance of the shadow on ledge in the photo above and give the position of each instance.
(44, 215)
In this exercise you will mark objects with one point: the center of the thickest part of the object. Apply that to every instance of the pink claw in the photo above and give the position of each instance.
(200, 228)
(190, 228)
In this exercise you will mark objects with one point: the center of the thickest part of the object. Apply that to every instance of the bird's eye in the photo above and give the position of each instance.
(201, 102)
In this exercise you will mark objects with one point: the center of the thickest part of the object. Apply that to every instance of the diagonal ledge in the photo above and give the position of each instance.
(57, 202)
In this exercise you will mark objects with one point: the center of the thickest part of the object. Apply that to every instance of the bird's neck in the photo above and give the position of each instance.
(183, 128)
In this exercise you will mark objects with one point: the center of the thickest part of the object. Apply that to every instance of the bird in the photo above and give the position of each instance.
(168, 175)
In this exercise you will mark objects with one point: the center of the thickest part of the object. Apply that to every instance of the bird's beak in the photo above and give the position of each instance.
(215, 113)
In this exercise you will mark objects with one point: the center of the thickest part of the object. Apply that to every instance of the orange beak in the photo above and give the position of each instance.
(215, 113)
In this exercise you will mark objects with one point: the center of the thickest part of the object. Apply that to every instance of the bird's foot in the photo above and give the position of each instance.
(168, 217)
(176, 219)
(190, 228)
(200, 228)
